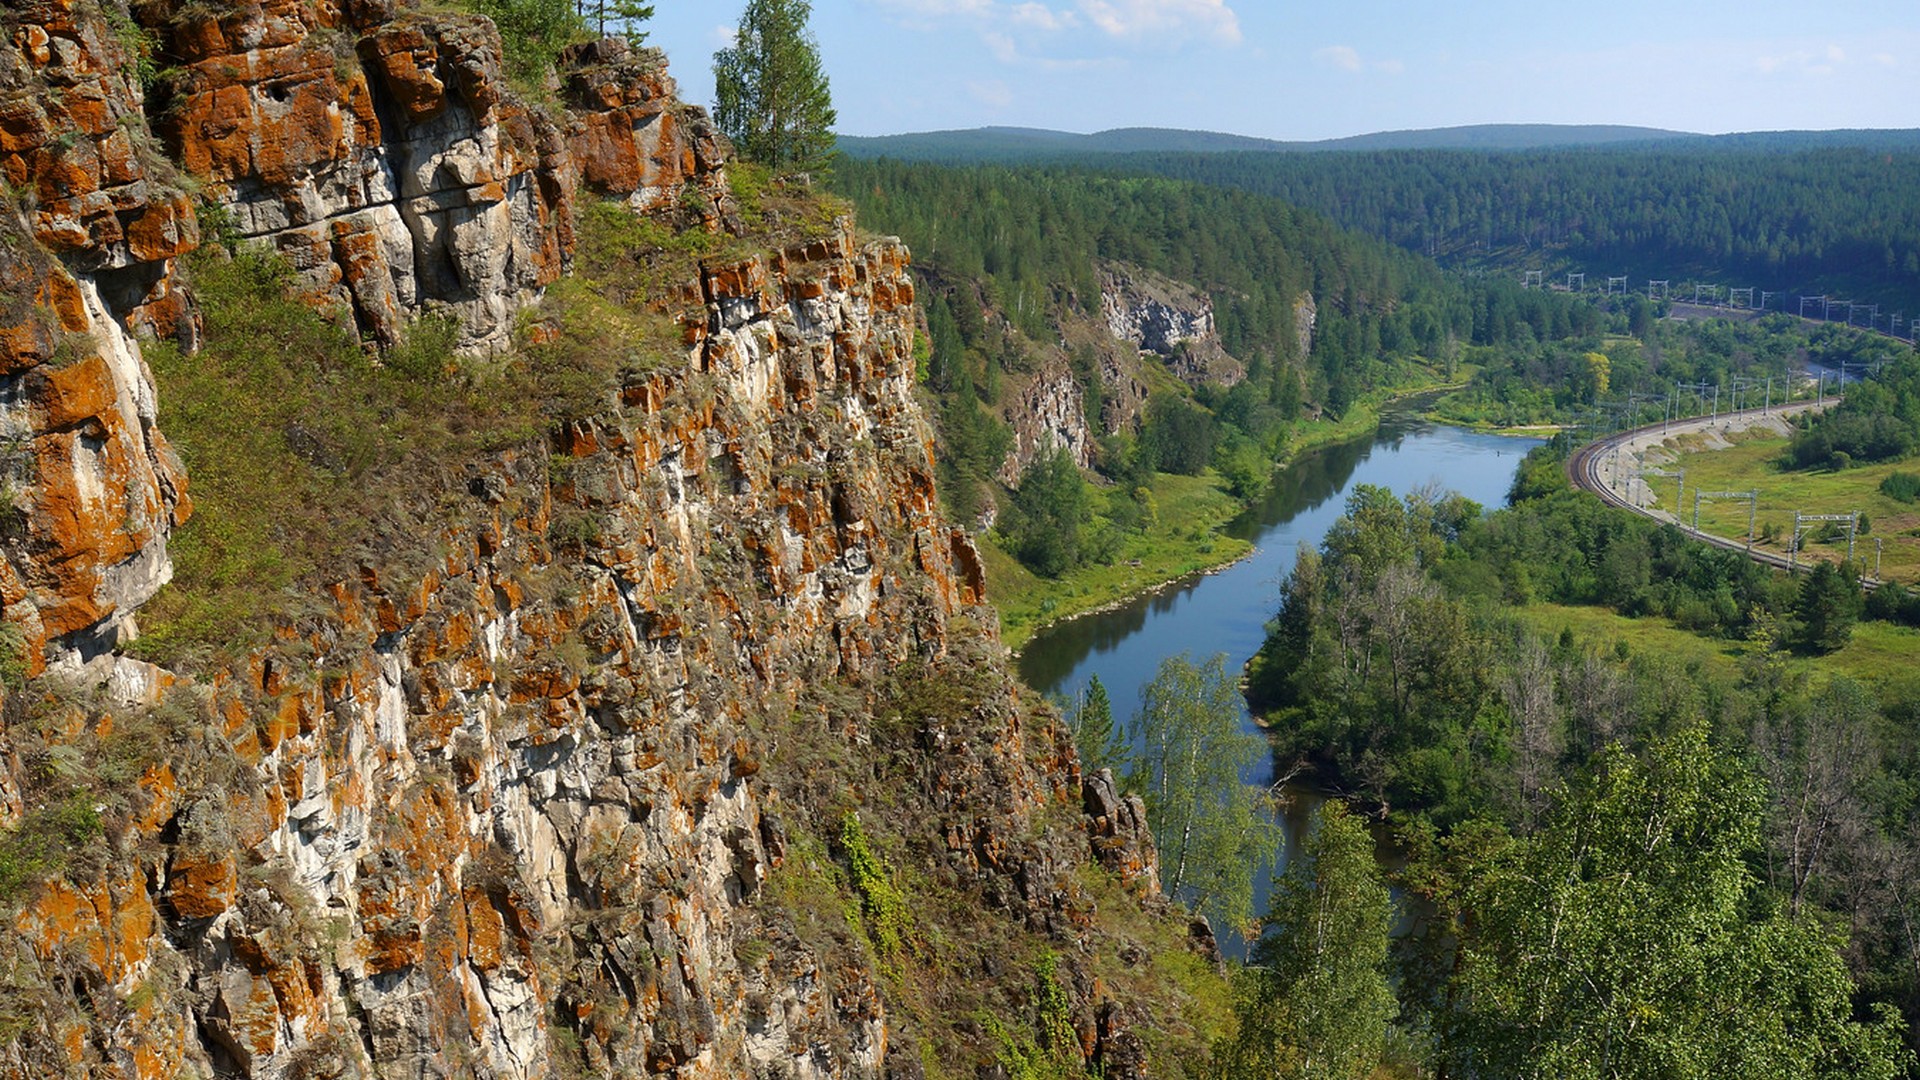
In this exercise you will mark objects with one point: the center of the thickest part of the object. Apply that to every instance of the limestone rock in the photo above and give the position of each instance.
(1048, 413)
(93, 490)
(1174, 321)
(1121, 841)
(519, 814)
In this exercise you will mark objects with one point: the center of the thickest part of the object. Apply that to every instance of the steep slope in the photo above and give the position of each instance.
(682, 744)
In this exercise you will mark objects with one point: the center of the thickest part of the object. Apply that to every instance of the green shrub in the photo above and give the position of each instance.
(883, 910)
(1901, 487)
(532, 33)
(44, 842)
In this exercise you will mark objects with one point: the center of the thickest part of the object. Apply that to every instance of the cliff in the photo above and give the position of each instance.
(678, 742)
(1171, 320)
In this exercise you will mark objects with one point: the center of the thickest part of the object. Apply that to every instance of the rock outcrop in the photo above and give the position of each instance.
(1047, 413)
(577, 799)
(383, 154)
(1171, 320)
(93, 226)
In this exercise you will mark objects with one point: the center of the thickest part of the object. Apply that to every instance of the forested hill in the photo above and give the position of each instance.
(1009, 144)
(1014, 258)
(1840, 220)
(1811, 213)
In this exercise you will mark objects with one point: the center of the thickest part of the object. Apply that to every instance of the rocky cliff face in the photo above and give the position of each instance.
(93, 228)
(382, 153)
(693, 754)
(1048, 412)
(1172, 320)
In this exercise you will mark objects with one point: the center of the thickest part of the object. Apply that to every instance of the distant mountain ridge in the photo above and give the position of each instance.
(1003, 144)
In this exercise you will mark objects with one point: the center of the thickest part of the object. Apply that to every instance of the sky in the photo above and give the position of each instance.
(1288, 69)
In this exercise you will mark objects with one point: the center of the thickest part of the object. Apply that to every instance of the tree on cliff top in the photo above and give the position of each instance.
(770, 95)
(625, 15)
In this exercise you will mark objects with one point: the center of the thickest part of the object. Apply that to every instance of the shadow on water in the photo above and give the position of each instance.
(1227, 611)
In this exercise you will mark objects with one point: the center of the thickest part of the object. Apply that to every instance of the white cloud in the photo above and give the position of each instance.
(939, 7)
(1803, 62)
(1344, 57)
(723, 36)
(1042, 17)
(1040, 32)
(1885, 60)
(1164, 19)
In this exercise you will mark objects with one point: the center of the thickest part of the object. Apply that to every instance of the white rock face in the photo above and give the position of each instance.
(1049, 413)
(1153, 313)
(1169, 319)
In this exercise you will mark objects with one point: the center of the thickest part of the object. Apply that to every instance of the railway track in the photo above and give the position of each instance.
(1583, 468)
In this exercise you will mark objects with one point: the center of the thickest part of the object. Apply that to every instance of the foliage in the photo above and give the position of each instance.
(1827, 606)
(1369, 663)
(883, 911)
(1629, 938)
(1166, 528)
(1214, 831)
(532, 33)
(1090, 717)
(625, 15)
(1043, 524)
(1553, 380)
(770, 93)
(1316, 1002)
(1901, 487)
(1848, 216)
(1178, 436)
(1877, 420)
(1053, 1051)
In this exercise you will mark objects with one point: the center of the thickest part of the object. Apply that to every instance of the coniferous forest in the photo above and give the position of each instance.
(1610, 859)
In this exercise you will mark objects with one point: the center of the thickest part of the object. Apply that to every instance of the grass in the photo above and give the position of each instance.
(1184, 539)
(1753, 463)
(309, 456)
(306, 457)
(1880, 655)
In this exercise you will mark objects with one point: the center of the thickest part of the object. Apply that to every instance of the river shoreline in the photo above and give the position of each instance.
(1318, 440)
(1225, 609)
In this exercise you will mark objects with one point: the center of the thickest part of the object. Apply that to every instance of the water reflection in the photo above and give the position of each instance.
(1227, 612)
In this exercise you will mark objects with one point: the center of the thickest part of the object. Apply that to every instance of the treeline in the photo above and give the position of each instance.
(1007, 256)
(1878, 420)
(1527, 774)
(1832, 218)
(1639, 353)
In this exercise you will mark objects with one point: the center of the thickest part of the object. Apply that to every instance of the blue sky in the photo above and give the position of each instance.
(1291, 70)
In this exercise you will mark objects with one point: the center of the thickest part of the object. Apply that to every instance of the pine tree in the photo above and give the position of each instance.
(1827, 606)
(625, 15)
(1094, 735)
(770, 94)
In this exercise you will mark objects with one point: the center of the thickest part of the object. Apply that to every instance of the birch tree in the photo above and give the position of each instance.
(770, 92)
(1215, 831)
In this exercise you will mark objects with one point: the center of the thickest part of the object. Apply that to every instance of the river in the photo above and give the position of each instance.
(1227, 611)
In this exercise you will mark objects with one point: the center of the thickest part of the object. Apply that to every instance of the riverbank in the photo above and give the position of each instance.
(1186, 540)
